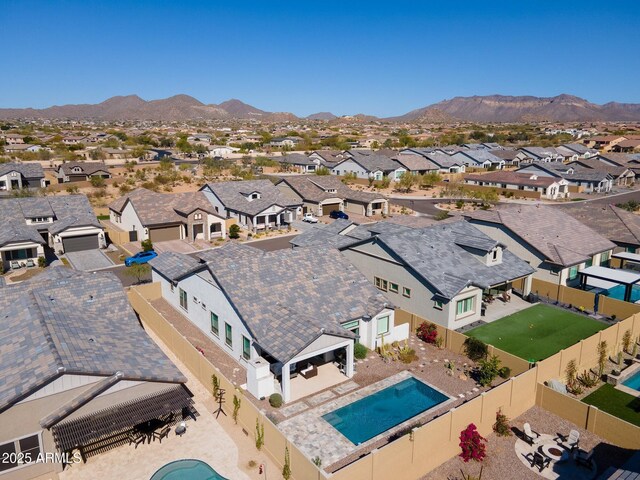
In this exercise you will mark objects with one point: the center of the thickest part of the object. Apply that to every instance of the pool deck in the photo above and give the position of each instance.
(316, 437)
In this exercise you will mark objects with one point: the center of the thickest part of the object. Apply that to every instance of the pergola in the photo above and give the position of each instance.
(608, 276)
(627, 257)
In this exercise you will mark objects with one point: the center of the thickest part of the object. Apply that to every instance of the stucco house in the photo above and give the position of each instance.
(321, 194)
(369, 164)
(81, 171)
(64, 224)
(19, 175)
(78, 372)
(254, 204)
(583, 179)
(550, 188)
(298, 163)
(553, 242)
(279, 314)
(437, 160)
(167, 216)
(479, 159)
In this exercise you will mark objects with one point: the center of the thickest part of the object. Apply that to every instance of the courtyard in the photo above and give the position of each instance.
(537, 332)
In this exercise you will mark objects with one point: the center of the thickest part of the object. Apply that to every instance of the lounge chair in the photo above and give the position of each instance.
(536, 459)
(571, 442)
(14, 265)
(584, 459)
(31, 263)
(137, 439)
(529, 435)
(162, 433)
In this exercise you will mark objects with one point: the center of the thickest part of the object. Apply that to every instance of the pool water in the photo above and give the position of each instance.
(372, 415)
(187, 470)
(633, 381)
(617, 292)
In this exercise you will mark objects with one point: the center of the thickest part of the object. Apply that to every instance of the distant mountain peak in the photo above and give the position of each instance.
(322, 116)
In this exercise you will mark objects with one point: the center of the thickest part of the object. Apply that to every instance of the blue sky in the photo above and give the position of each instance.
(347, 57)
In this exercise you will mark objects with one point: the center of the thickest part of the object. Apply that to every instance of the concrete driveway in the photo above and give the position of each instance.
(87, 260)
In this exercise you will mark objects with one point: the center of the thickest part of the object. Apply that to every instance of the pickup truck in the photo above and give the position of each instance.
(308, 217)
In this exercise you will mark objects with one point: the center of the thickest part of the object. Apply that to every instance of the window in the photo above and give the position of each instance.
(588, 263)
(437, 304)
(393, 287)
(172, 286)
(246, 348)
(183, 299)
(215, 327)
(464, 306)
(381, 283)
(383, 325)
(353, 326)
(197, 216)
(604, 258)
(28, 449)
(228, 335)
(495, 254)
(630, 249)
(406, 292)
(573, 272)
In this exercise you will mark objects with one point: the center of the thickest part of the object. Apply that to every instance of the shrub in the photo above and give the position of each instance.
(147, 245)
(459, 204)
(602, 357)
(626, 341)
(501, 427)
(360, 351)
(236, 408)
(407, 355)
(427, 332)
(286, 468)
(587, 379)
(488, 370)
(97, 181)
(259, 434)
(275, 400)
(42, 262)
(441, 215)
(504, 372)
(472, 444)
(475, 349)
(234, 231)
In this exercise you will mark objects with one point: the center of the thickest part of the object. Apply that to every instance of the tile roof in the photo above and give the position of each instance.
(88, 168)
(372, 161)
(440, 254)
(314, 188)
(233, 195)
(513, 178)
(614, 223)
(561, 238)
(64, 321)
(295, 159)
(27, 169)
(14, 232)
(265, 289)
(174, 265)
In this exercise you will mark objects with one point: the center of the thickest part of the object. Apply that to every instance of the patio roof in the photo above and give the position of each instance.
(632, 257)
(97, 426)
(624, 277)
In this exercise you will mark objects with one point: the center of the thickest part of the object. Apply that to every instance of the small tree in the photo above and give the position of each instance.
(602, 357)
(472, 444)
(147, 245)
(259, 435)
(97, 181)
(236, 408)
(626, 341)
(475, 349)
(286, 469)
(138, 271)
(215, 387)
(322, 171)
(42, 262)
(407, 180)
(234, 231)
(501, 427)
(488, 370)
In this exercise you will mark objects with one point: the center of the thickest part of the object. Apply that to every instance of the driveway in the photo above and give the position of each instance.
(87, 260)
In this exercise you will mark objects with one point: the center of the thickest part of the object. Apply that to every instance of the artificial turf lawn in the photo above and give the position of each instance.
(537, 332)
(619, 404)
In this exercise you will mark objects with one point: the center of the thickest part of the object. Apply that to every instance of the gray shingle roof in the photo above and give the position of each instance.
(295, 159)
(13, 232)
(561, 238)
(175, 265)
(88, 168)
(373, 161)
(438, 254)
(288, 298)
(314, 188)
(233, 195)
(64, 321)
(26, 169)
(609, 221)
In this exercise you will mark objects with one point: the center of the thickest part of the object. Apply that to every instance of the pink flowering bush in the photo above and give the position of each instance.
(427, 332)
(472, 444)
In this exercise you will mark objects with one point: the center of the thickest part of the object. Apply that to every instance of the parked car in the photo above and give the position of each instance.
(140, 258)
(308, 217)
(338, 214)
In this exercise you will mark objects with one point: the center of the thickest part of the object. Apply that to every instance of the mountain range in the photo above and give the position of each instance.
(484, 109)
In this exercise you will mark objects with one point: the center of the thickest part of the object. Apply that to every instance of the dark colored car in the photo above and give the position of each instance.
(338, 214)
(140, 257)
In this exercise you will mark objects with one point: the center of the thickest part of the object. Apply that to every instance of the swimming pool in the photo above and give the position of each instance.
(633, 381)
(187, 470)
(376, 413)
(617, 292)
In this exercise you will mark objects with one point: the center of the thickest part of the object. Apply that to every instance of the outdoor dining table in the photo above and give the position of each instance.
(147, 428)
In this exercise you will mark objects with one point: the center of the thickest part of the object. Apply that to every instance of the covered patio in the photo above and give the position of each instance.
(628, 260)
(326, 376)
(615, 283)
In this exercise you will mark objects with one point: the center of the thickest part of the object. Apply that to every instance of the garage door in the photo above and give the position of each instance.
(327, 209)
(164, 234)
(83, 242)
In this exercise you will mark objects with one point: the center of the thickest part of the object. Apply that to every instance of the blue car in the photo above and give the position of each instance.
(338, 214)
(140, 257)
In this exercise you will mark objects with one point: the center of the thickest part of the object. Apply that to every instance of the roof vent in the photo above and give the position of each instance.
(119, 375)
(61, 370)
(91, 340)
(91, 298)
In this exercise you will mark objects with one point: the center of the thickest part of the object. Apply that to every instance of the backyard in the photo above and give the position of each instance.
(537, 332)
(615, 402)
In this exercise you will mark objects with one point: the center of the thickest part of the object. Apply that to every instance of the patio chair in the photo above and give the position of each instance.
(162, 433)
(31, 263)
(537, 460)
(584, 459)
(136, 438)
(14, 265)
(530, 436)
(571, 442)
